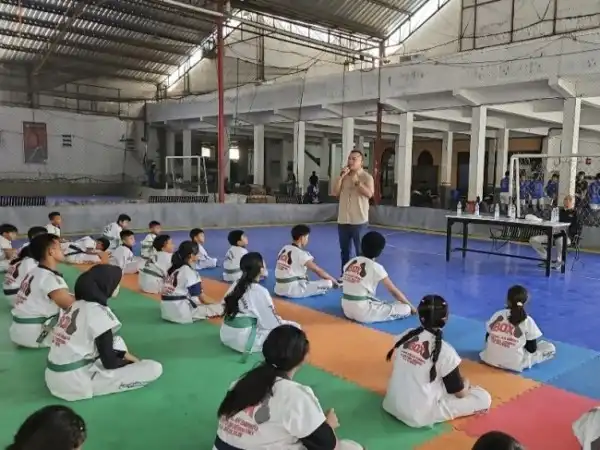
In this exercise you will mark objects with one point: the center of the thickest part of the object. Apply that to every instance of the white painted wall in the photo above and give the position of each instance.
(97, 151)
(282, 61)
(490, 24)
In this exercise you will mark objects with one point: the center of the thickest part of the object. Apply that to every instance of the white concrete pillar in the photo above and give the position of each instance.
(258, 158)
(334, 166)
(477, 153)
(361, 144)
(347, 138)
(447, 151)
(569, 145)
(299, 156)
(186, 153)
(325, 159)
(502, 141)
(403, 169)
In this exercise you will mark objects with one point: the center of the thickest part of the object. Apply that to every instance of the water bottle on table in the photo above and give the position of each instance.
(477, 208)
(459, 208)
(496, 211)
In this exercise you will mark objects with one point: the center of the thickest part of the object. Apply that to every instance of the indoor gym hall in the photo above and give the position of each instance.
(347, 367)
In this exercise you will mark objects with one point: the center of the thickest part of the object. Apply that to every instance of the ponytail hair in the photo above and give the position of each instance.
(24, 253)
(251, 265)
(284, 349)
(516, 298)
(433, 313)
(181, 257)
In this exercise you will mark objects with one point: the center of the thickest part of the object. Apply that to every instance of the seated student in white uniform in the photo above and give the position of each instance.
(154, 272)
(147, 250)
(359, 284)
(123, 256)
(86, 359)
(42, 294)
(87, 250)
(293, 261)
(8, 233)
(204, 261)
(512, 337)
(587, 429)
(266, 410)
(112, 231)
(426, 386)
(20, 267)
(55, 425)
(182, 300)
(249, 310)
(231, 264)
(497, 440)
(54, 226)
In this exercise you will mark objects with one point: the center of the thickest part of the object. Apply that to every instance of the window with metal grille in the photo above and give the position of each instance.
(67, 140)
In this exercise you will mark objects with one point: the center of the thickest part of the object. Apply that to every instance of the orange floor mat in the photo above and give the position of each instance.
(455, 440)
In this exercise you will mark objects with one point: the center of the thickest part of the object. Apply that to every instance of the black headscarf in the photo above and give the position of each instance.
(98, 284)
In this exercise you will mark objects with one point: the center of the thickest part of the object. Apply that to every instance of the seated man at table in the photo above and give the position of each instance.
(567, 214)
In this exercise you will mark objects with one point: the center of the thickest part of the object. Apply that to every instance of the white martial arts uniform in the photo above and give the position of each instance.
(112, 232)
(231, 263)
(360, 280)
(291, 279)
(587, 430)
(205, 261)
(53, 229)
(154, 272)
(74, 370)
(35, 314)
(247, 331)
(123, 257)
(5, 244)
(179, 305)
(15, 275)
(416, 401)
(279, 422)
(147, 246)
(505, 346)
(77, 252)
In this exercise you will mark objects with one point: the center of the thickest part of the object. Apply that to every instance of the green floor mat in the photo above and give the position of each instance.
(178, 410)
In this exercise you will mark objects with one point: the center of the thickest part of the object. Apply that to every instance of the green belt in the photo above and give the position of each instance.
(61, 368)
(47, 323)
(356, 298)
(290, 280)
(30, 320)
(232, 271)
(151, 273)
(244, 322)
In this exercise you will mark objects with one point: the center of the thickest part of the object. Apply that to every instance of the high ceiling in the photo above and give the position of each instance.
(46, 43)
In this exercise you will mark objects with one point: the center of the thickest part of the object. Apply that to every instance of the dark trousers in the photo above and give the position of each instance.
(350, 236)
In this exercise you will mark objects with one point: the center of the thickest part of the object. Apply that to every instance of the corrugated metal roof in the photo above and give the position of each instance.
(143, 40)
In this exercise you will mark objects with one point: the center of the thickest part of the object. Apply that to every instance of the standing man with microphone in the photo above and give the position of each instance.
(354, 187)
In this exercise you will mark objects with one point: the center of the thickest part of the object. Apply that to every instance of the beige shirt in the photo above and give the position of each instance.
(354, 207)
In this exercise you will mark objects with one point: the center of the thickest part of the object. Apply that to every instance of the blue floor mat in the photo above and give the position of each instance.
(568, 358)
(581, 380)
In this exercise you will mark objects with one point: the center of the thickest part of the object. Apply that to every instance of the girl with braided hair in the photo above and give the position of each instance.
(513, 339)
(182, 299)
(426, 386)
(249, 310)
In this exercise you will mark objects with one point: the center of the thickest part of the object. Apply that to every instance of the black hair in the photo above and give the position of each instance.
(195, 232)
(507, 173)
(160, 241)
(35, 231)
(251, 265)
(123, 218)
(125, 234)
(181, 256)
(104, 242)
(284, 349)
(39, 245)
(57, 427)
(598, 176)
(8, 228)
(153, 224)
(235, 236)
(53, 214)
(516, 298)
(497, 440)
(300, 231)
(372, 244)
(355, 150)
(433, 311)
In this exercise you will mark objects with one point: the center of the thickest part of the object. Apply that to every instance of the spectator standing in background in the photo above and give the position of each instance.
(581, 187)
(594, 193)
(314, 179)
(354, 187)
